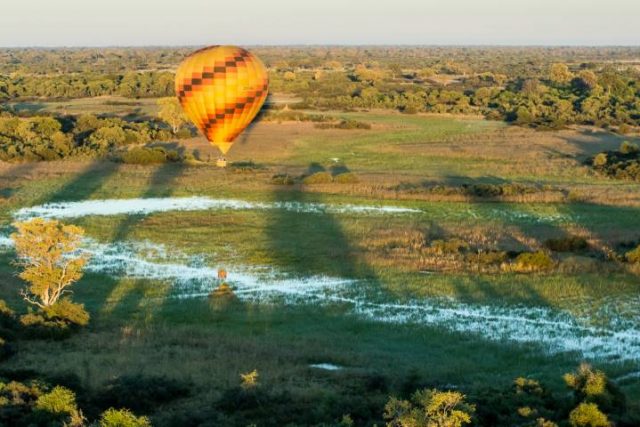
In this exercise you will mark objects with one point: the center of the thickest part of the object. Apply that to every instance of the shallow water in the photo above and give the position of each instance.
(144, 206)
(554, 331)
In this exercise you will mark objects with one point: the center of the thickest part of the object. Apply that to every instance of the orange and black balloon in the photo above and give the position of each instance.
(221, 89)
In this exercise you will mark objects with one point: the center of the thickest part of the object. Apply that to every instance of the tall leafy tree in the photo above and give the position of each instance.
(47, 253)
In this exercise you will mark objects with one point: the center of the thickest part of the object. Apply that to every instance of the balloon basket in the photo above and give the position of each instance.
(221, 162)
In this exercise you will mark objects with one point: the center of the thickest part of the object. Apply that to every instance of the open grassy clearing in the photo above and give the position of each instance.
(140, 324)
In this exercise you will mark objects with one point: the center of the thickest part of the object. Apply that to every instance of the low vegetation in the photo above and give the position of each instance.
(623, 164)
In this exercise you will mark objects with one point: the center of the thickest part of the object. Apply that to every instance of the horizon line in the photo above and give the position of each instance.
(451, 45)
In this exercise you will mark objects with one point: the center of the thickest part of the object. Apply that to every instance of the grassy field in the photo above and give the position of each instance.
(151, 326)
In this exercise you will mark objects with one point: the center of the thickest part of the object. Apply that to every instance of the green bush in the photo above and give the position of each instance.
(451, 246)
(55, 322)
(58, 406)
(318, 178)
(144, 156)
(122, 418)
(344, 124)
(37, 325)
(567, 244)
(633, 256)
(487, 257)
(245, 166)
(480, 190)
(184, 133)
(282, 179)
(7, 316)
(592, 386)
(588, 415)
(346, 178)
(628, 147)
(17, 400)
(510, 406)
(600, 159)
(69, 312)
(533, 261)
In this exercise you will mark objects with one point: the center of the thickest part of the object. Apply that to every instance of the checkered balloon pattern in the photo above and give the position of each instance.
(221, 89)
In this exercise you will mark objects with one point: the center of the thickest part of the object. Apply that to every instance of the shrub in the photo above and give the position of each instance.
(533, 261)
(430, 408)
(144, 156)
(588, 415)
(245, 166)
(567, 244)
(622, 164)
(628, 147)
(633, 256)
(318, 178)
(58, 405)
(37, 325)
(17, 400)
(122, 418)
(488, 257)
(282, 179)
(346, 178)
(184, 133)
(55, 322)
(344, 124)
(249, 379)
(507, 406)
(451, 246)
(600, 159)
(592, 386)
(8, 320)
(68, 311)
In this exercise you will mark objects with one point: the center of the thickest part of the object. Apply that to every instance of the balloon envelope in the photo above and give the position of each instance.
(221, 89)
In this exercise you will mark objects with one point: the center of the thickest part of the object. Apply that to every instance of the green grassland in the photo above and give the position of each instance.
(137, 328)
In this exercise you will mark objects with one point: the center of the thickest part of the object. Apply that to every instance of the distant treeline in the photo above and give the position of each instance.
(131, 84)
(540, 87)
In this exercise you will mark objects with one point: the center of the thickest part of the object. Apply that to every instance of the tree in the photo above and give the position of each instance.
(588, 415)
(289, 76)
(367, 74)
(429, 408)
(47, 252)
(107, 137)
(560, 74)
(587, 79)
(171, 113)
(425, 73)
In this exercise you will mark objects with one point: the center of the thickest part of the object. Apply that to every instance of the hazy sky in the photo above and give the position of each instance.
(250, 22)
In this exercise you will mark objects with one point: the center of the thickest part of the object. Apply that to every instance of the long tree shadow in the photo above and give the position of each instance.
(522, 224)
(11, 178)
(310, 243)
(124, 294)
(85, 184)
(78, 187)
(160, 185)
(513, 234)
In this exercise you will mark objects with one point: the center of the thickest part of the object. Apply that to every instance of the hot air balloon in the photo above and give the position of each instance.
(221, 89)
